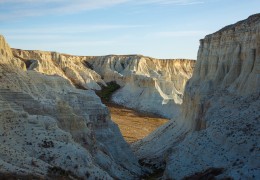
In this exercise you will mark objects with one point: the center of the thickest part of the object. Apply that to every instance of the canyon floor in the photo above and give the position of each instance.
(134, 125)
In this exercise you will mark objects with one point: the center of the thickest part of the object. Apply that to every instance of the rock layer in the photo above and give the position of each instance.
(72, 68)
(148, 84)
(219, 123)
(50, 128)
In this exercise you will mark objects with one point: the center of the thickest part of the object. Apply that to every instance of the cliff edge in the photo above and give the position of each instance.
(51, 130)
(219, 123)
(147, 84)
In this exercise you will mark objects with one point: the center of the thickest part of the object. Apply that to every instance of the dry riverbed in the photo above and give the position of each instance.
(134, 125)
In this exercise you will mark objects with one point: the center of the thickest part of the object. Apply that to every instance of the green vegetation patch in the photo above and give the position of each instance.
(106, 92)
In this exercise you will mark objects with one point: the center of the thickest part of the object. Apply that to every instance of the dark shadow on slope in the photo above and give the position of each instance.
(208, 174)
(106, 91)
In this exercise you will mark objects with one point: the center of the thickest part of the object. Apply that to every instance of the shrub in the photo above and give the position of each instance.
(106, 92)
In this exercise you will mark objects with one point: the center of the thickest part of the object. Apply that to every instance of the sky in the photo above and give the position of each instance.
(166, 29)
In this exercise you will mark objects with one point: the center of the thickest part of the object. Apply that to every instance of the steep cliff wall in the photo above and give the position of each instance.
(148, 84)
(227, 59)
(49, 128)
(73, 68)
(219, 123)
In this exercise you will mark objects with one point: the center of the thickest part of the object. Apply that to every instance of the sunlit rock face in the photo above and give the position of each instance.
(219, 123)
(227, 60)
(73, 68)
(148, 84)
(49, 128)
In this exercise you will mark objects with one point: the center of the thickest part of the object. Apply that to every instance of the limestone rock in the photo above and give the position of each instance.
(66, 66)
(219, 123)
(49, 128)
(148, 84)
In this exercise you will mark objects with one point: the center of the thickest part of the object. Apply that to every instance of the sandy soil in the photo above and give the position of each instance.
(134, 125)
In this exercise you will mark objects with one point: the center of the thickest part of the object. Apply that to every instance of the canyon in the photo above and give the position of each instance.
(148, 84)
(50, 129)
(53, 125)
(49, 108)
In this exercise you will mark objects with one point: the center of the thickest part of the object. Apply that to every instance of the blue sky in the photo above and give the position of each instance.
(156, 28)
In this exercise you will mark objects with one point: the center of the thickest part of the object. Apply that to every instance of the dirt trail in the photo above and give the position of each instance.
(134, 125)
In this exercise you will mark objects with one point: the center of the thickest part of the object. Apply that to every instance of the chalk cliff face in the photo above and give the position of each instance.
(148, 84)
(219, 123)
(227, 59)
(49, 128)
(44, 117)
(73, 68)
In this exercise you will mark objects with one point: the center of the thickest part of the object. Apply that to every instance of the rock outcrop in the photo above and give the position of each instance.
(219, 123)
(44, 117)
(148, 84)
(73, 68)
(42, 85)
(50, 129)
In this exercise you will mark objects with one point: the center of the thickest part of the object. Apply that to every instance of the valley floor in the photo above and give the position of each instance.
(132, 124)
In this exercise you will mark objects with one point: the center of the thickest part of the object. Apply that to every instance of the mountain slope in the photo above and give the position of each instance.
(51, 129)
(147, 84)
(219, 123)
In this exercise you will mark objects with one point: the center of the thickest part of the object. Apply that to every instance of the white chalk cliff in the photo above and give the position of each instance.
(148, 84)
(52, 123)
(50, 129)
(73, 68)
(52, 110)
(219, 123)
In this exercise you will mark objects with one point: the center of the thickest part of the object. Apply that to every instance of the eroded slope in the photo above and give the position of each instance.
(219, 123)
(147, 84)
(49, 128)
